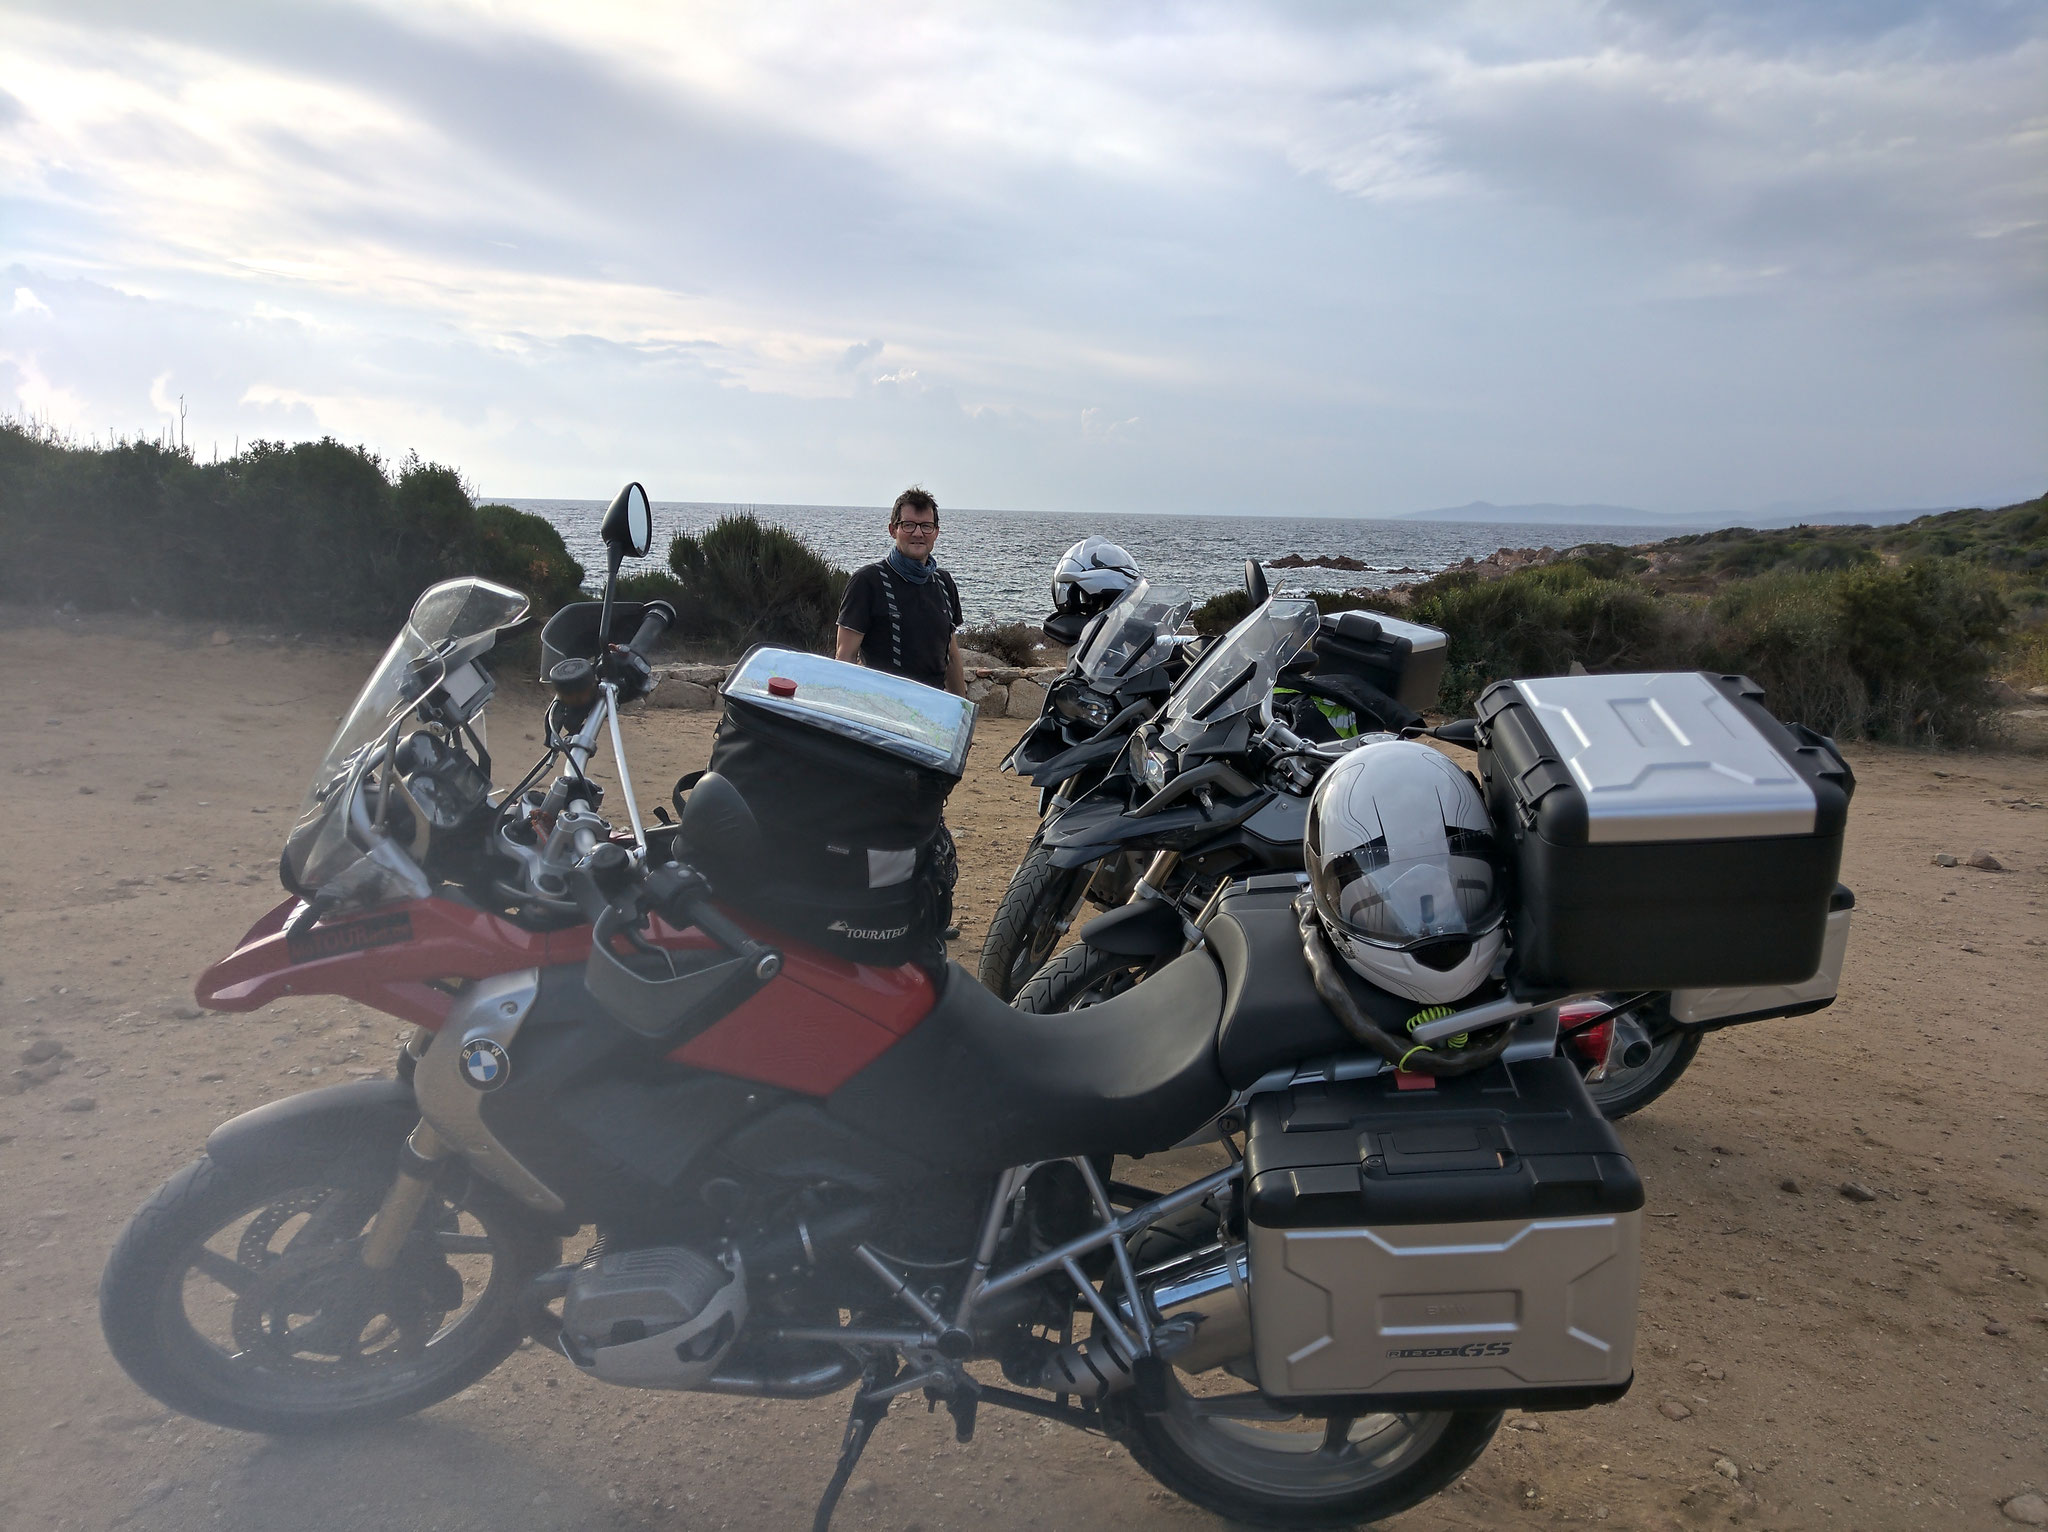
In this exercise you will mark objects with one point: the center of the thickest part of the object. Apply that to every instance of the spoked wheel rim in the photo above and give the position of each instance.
(1262, 1448)
(275, 1305)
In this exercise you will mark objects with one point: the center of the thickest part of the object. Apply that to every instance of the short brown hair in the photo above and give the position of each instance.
(915, 498)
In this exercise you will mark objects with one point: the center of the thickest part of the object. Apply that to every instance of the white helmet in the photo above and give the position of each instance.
(1404, 872)
(1090, 575)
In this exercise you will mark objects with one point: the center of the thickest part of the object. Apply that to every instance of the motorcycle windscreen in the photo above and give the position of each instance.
(1239, 672)
(1135, 633)
(444, 619)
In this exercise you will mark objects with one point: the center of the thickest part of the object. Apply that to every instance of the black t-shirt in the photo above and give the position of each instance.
(905, 629)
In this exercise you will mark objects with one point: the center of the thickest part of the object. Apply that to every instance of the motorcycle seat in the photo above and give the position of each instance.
(1280, 1020)
(980, 1085)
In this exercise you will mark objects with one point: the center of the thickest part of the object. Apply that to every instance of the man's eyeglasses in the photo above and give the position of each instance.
(917, 526)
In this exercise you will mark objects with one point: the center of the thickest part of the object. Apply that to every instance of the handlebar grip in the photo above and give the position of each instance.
(765, 961)
(659, 619)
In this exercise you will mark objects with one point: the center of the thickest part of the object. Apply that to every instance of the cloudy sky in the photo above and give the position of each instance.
(1318, 258)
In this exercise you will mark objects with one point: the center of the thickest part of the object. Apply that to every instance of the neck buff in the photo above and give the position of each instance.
(908, 567)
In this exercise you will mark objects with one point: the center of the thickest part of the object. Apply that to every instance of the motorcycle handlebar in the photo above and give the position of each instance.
(765, 962)
(659, 619)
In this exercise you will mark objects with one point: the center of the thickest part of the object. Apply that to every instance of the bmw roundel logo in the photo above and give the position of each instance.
(484, 1064)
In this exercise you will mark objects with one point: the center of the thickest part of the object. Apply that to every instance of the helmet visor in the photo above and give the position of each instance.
(1408, 901)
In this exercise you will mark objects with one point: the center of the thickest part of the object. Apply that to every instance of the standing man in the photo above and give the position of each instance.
(902, 613)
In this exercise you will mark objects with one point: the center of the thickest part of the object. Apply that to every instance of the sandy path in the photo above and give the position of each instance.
(1859, 1365)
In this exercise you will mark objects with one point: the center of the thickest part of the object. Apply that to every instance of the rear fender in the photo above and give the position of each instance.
(365, 1119)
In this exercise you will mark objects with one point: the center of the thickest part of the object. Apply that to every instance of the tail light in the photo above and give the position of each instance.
(1587, 1026)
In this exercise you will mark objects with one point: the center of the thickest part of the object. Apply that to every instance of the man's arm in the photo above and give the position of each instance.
(848, 647)
(956, 669)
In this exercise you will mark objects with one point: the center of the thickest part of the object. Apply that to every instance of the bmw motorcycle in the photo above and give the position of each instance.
(1215, 790)
(806, 1175)
(1122, 671)
(1121, 667)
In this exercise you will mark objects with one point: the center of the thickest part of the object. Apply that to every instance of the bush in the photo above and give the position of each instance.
(310, 536)
(1901, 652)
(526, 552)
(1536, 622)
(743, 583)
(1010, 642)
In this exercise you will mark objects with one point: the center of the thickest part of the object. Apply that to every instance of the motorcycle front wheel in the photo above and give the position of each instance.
(236, 1296)
(1250, 1461)
(1078, 978)
(1031, 919)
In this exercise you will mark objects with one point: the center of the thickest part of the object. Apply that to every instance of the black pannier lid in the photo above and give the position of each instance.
(1519, 1140)
(1403, 659)
(1672, 757)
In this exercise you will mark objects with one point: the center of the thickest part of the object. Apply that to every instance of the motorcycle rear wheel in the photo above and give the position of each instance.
(1625, 1091)
(1027, 924)
(235, 1296)
(1237, 1455)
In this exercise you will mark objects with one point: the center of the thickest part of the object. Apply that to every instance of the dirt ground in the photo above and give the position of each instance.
(1805, 1360)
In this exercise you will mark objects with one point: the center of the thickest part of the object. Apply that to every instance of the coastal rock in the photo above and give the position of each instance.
(991, 699)
(1318, 561)
(688, 695)
(1027, 699)
(2005, 695)
(976, 659)
(2037, 694)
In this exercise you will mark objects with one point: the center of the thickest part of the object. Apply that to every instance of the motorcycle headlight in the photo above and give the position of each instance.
(1154, 767)
(1092, 709)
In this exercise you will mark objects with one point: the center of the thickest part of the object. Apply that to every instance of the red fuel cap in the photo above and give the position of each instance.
(781, 686)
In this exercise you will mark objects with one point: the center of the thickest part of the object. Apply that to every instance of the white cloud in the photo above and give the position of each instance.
(1394, 256)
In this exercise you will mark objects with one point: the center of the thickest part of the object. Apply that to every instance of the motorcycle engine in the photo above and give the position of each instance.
(662, 1317)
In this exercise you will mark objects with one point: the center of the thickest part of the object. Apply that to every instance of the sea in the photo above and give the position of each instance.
(1003, 560)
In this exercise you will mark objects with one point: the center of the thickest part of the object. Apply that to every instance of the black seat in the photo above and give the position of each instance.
(979, 1085)
(1280, 1020)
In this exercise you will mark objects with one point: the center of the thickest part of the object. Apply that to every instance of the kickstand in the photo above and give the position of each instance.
(861, 1421)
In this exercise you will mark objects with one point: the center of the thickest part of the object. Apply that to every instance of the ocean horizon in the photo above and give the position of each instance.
(1002, 561)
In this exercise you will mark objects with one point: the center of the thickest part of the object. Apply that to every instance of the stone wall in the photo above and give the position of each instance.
(997, 691)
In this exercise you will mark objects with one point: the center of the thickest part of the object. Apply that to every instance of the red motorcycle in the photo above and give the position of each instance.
(809, 1173)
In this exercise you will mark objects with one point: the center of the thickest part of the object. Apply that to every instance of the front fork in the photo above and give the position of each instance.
(400, 1210)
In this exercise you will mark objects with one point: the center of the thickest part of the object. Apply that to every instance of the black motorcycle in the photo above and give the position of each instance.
(1217, 789)
(1121, 675)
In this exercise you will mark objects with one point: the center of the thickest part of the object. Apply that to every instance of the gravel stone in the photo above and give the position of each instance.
(1945, 859)
(1671, 1409)
(1789, 1185)
(2029, 1510)
(1856, 1191)
(80, 1104)
(1726, 1468)
(1984, 861)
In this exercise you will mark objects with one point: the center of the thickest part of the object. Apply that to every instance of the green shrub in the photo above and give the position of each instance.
(312, 536)
(526, 552)
(1010, 642)
(1536, 622)
(745, 583)
(1897, 652)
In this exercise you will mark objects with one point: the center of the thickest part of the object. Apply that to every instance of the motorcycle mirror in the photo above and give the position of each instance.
(628, 526)
(1255, 582)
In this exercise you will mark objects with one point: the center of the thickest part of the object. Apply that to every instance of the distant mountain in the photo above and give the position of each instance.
(1783, 513)
(1554, 515)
